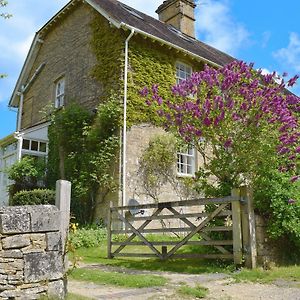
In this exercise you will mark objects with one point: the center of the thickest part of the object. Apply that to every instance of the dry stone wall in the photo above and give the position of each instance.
(32, 256)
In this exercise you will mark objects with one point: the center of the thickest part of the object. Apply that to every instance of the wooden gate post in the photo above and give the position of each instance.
(109, 217)
(248, 225)
(236, 228)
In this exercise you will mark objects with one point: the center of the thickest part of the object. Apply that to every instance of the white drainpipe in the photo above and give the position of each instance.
(125, 118)
(19, 136)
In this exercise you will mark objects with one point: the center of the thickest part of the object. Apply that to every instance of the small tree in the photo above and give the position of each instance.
(27, 174)
(238, 119)
(246, 127)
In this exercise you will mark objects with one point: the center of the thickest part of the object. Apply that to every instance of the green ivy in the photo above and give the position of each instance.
(108, 46)
(83, 150)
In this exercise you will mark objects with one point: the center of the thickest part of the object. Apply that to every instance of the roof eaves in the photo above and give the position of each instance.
(153, 37)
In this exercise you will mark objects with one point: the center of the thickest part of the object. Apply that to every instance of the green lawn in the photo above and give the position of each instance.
(190, 266)
(118, 279)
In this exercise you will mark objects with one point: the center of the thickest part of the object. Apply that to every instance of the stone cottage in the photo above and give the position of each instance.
(93, 48)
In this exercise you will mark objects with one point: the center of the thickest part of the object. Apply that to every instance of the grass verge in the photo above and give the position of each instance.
(291, 273)
(118, 279)
(197, 292)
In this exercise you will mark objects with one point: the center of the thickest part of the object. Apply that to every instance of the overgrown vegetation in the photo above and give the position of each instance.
(157, 168)
(83, 149)
(118, 279)
(92, 236)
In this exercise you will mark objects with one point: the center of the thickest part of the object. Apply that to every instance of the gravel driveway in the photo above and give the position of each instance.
(220, 286)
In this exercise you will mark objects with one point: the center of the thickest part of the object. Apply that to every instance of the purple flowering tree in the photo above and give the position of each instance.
(239, 120)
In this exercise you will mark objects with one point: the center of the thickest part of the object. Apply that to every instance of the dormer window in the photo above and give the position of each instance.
(183, 72)
(60, 93)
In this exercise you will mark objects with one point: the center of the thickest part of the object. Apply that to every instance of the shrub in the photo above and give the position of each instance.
(34, 197)
(277, 199)
(87, 237)
(27, 174)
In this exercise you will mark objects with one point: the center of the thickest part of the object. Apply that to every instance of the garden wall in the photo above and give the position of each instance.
(32, 248)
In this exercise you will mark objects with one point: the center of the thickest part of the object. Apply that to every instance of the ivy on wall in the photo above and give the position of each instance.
(83, 149)
(107, 43)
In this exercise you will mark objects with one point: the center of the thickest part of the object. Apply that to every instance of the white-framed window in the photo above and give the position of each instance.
(60, 93)
(34, 146)
(186, 161)
(183, 71)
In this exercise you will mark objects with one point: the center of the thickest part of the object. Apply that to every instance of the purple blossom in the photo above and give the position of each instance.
(144, 92)
(291, 201)
(228, 143)
(293, 80)
(295, 178)
(207, 121)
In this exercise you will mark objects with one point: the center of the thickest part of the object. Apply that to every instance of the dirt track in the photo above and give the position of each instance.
(220, 286)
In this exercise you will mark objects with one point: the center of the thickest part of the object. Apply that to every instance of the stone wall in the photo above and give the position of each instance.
(32, 250)
(268, 251)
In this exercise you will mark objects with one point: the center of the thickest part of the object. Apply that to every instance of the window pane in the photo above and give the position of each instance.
(43, 147)
(34, 145)
(26, 144)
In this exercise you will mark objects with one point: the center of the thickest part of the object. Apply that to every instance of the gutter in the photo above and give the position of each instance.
(125, 117)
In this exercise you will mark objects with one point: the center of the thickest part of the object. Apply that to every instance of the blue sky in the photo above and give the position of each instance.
(264, 32)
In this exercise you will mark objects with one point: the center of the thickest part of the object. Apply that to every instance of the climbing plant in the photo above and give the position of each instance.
(83, 150)
(157, 168)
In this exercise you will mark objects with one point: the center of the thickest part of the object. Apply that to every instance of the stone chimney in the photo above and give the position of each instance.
(180, 14)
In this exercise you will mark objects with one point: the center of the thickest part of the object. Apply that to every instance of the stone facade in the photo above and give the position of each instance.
(31, 253)
(268, 251)
(66, 51)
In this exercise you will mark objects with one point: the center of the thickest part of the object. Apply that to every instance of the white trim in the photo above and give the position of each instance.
(60, 88)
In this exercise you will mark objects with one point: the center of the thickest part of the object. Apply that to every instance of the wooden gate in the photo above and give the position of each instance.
(226, 215)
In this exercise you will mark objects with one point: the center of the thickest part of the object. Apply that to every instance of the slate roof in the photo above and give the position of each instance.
(121, 13)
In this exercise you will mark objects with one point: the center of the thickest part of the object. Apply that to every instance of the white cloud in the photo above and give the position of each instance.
(217, 27)
(265, 38)
(290, 56)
